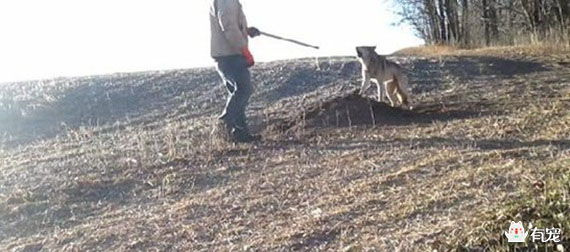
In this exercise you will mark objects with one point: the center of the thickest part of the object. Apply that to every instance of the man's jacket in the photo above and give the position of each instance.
(228, 27)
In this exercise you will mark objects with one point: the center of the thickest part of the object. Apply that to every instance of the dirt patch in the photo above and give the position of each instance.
(355, 110)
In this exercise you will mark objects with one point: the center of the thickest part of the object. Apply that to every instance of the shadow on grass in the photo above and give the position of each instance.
(428, 74)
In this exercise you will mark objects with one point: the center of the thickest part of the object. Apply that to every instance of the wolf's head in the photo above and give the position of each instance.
(366, 53)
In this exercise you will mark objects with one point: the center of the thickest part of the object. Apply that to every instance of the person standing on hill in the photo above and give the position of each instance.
(229, 48)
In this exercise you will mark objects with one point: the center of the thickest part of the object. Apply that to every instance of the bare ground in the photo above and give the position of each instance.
(127, 162)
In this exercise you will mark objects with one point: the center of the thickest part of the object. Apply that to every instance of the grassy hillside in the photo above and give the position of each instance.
(128, 162)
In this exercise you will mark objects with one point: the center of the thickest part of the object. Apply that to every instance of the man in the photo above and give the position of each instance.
(229, 47)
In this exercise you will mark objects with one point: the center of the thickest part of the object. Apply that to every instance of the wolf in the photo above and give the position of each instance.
(382, 71)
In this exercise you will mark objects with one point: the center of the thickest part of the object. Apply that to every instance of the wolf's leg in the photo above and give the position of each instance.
(391, 91)
(365, 83)
(380, 93)
(401, 99)
(403, 90)
(398, 91)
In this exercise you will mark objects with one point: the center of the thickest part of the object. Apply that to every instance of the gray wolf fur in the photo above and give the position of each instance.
(384, 72)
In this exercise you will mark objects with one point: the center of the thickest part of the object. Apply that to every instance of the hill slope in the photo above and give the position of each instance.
(127, 162)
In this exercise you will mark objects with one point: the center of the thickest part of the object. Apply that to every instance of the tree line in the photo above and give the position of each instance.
(487, 22)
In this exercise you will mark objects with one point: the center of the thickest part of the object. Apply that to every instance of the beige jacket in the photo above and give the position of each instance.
(228, 28)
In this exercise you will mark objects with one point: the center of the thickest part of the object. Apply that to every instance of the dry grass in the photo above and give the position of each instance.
(129, 163)
(425, 51)
(535, 50)
(542, 200)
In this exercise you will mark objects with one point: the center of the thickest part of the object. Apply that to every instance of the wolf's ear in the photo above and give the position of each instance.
(358, 53)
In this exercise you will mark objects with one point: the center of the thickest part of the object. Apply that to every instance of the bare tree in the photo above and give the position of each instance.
(486, 22)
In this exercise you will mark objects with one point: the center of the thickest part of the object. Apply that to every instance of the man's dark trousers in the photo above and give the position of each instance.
(237, 79)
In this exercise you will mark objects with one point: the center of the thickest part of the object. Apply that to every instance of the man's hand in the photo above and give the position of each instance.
(253, 32)
(248, 57)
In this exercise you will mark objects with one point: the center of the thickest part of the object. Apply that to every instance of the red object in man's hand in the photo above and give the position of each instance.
(248, 57)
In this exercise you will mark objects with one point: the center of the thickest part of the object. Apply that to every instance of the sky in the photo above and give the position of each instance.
(55, 38)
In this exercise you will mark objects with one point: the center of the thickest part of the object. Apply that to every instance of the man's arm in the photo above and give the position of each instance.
(228, 16)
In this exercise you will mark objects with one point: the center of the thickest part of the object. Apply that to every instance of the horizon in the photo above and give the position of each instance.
(66, 39)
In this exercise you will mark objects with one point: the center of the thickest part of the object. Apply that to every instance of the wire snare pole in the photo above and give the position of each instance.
(288, 40)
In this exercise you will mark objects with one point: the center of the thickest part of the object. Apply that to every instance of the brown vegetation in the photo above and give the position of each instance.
(128, 162)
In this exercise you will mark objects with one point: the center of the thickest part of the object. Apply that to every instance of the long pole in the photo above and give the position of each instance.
(288, 40)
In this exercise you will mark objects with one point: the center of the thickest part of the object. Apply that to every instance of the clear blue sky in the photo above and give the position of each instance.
(51, 38)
